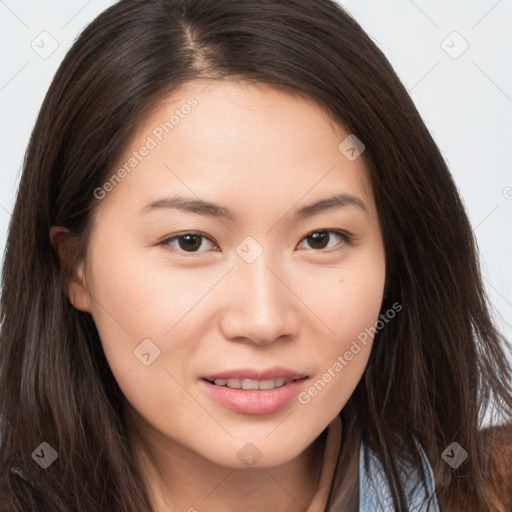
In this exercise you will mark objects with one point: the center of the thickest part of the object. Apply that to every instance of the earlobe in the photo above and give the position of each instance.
(77, 290)
(64, 244)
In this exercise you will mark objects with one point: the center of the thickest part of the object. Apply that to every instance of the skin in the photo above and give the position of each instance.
(262, 154)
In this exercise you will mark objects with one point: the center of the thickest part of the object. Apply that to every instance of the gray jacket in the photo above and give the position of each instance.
(375, 495)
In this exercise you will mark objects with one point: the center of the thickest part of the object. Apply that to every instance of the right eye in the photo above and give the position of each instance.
(189, 242)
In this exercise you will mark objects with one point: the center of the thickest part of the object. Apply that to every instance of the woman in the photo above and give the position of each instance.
(239, 276)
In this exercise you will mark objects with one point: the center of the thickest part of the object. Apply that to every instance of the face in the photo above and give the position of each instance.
(251, 291)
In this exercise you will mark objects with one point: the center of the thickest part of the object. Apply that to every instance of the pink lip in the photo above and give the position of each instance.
(250, 373)
(253, 401)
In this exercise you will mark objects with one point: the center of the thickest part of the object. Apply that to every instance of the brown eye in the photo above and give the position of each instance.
(320, 240)
(187, 242)
(190, 242)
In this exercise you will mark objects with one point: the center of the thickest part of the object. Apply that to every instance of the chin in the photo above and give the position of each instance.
(257, 455)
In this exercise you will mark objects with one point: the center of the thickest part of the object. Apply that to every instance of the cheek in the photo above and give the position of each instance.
(136, 298)
(135, 305)
(350, 302)
(126, 305)
(129, 292)
(350, 297)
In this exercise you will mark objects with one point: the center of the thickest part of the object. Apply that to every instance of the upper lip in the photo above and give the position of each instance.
(254, 374)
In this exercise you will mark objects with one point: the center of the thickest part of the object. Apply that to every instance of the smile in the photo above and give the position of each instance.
(251, 384)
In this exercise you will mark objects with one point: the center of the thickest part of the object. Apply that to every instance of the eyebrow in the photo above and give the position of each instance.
(207, 208)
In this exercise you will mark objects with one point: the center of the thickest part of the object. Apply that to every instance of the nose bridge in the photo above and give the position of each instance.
(260, 282)
(261, 306)
(253, 264)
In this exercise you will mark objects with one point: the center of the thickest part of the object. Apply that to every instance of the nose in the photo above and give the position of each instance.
(259, 305)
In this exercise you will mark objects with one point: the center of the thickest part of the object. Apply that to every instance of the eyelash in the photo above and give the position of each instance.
(347, 238)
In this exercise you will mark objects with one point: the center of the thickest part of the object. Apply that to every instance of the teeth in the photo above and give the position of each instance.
(234, 383)
(249, 384)
(271, 383)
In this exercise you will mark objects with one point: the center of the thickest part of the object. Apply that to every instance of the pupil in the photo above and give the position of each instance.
(190, 245)
(319, 237)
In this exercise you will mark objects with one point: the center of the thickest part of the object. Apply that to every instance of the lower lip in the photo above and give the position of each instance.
(254, 401)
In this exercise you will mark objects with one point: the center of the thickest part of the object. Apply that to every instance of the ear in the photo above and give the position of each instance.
(64, 244)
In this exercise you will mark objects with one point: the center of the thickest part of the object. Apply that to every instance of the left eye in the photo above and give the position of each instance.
(319, 238)
(191, 242)
(188, 242)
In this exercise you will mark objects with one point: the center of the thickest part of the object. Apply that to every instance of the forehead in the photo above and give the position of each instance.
(241, 143)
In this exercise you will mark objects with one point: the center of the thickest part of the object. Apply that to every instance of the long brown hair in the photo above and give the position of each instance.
(433, 372)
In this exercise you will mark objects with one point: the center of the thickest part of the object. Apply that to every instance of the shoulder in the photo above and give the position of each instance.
(495, 447)
(496, 440)
(18, 493)
(496, 444)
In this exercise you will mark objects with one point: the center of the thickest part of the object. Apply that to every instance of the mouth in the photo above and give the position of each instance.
(250, 391)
